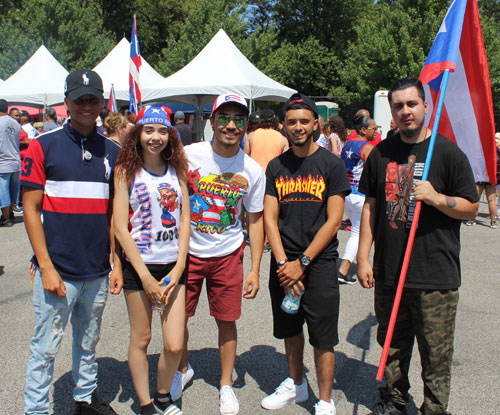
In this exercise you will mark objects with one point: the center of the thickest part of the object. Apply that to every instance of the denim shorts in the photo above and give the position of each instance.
(9, 188)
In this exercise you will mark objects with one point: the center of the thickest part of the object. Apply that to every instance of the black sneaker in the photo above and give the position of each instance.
(6, 222)
(97, 407)
(347, 279)
(166, 405)
(387, 408)
(150, 409)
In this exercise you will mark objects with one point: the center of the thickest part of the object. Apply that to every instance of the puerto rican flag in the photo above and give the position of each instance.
(135, 64)
(467, 115)
(112, 107)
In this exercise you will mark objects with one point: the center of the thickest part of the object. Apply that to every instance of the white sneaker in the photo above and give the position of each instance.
(287, 392)
(229, 404)
(180, 381)
(325, 408)
(173, 409)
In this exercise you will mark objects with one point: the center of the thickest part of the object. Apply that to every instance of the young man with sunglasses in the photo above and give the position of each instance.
(66, 176)
(303, 207)
(222, 179)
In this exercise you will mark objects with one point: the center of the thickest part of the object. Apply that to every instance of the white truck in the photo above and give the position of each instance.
(382, 112)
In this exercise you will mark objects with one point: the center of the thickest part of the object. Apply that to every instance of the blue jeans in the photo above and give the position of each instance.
(9, 188)
(85, 302)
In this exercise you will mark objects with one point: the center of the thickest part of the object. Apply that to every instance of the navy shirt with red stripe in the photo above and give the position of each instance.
(76, 174)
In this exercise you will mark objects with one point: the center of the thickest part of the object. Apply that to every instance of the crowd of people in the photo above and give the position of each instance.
(134, 204)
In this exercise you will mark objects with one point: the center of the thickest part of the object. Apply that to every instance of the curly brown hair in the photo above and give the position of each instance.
(129, 160)
(337, 126)
(113, 121)
(269, 123)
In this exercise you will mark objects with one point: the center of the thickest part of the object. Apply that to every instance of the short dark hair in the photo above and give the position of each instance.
(51, 113)
(362, 122)
(405, 83)
(12, 109)
(3, 105)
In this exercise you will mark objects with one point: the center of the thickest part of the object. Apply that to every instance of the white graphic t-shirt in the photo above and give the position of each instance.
(217, 188)
(156, 203)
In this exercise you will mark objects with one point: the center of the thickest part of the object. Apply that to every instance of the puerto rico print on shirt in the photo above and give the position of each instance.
(214, 200)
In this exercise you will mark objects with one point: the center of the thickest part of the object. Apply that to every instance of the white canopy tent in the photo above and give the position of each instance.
(219, 68)
(37, 83)
(114, 69)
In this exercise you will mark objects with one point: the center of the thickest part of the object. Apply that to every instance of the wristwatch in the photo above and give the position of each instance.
(305, 260)
(282, 262)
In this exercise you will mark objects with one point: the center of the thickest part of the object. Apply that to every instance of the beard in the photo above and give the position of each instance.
(301, 143)
(411, 132)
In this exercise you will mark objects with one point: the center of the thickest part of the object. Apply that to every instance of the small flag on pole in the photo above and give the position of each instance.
(467, 116)
(112, 107)
(134, 67)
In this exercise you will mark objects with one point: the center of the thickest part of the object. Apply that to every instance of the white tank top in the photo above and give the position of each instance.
(155, 204)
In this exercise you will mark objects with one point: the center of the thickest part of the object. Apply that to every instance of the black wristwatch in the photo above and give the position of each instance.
(305, 260)
(282, 262)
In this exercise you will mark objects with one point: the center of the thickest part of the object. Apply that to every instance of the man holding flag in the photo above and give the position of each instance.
(392, 185)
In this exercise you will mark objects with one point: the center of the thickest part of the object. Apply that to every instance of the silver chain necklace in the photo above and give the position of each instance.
(225, 170)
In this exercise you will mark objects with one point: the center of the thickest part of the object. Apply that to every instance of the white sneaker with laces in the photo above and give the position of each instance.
(286, 393)
(325, 408)
(180, 381)
(229, 404)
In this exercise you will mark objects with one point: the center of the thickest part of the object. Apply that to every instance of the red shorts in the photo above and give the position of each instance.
(224, 277)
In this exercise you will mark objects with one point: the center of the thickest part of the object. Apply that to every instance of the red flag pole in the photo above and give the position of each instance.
(411, 237)
(399, 292)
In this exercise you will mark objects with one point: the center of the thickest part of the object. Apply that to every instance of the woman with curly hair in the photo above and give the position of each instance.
(338, 135)
(150, 178)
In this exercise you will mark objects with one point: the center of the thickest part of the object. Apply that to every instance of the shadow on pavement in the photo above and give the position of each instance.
(268, 368)
(113, 380)
(356, 378)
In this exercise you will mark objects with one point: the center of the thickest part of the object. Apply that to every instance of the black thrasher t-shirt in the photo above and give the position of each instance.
(302, 187)
(388, 176)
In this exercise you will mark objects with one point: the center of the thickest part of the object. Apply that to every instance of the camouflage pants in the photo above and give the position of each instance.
(428, 315)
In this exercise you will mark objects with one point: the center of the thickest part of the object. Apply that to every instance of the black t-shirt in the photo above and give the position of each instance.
(388, 176)
(302, 187)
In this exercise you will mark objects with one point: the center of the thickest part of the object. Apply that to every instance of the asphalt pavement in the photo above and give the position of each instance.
(260, 362)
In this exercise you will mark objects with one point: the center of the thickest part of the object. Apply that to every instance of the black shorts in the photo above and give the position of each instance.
(131, 280)
(319, 306)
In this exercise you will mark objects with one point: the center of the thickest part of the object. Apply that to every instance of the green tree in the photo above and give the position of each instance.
(391, 43)
(308, 66)
(201, 24)
(72, 31)
(157, 22)
(331, 22)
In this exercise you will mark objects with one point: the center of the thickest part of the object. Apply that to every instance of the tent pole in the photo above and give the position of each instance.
(199, 119)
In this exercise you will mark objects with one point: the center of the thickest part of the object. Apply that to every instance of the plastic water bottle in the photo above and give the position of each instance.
(291, 304)
(160, 306)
